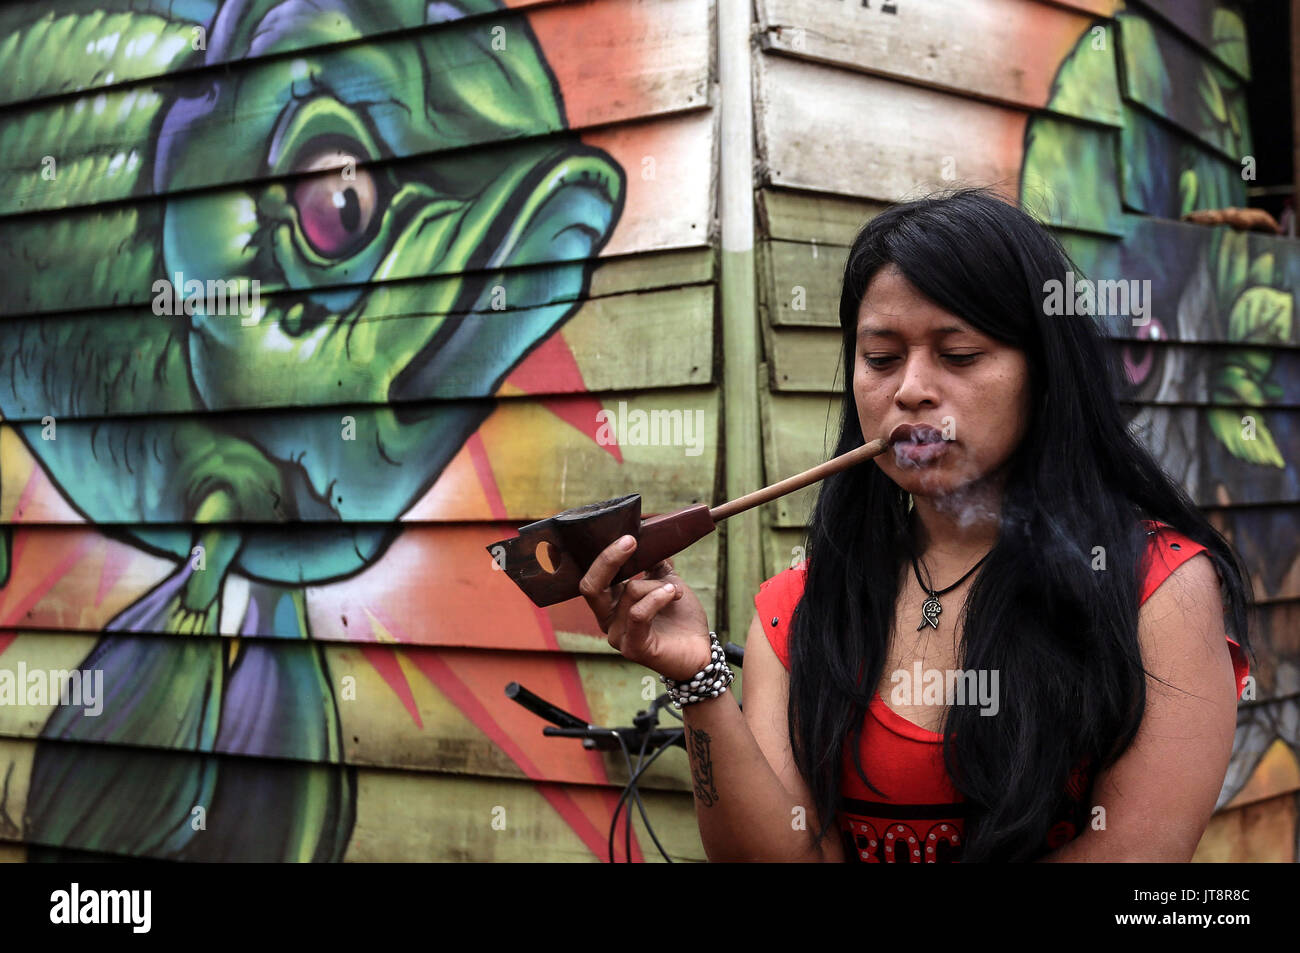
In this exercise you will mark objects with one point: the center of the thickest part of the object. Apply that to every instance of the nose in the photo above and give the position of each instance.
(917, 386)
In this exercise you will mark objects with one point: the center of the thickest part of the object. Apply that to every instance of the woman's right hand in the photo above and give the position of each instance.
(666, 630)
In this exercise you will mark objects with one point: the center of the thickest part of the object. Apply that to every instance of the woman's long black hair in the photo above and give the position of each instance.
(1061, 635)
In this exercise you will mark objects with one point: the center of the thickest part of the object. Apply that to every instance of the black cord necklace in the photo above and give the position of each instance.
(930, 609)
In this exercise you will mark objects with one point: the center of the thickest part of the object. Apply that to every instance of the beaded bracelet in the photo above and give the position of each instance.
(709, 682)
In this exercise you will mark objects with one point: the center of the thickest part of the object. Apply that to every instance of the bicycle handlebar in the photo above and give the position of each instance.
(645, 733)
(542, 708)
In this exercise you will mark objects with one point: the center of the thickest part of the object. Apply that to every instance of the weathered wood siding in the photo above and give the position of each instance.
(539, 245)
(474, 226)
(1108, 121)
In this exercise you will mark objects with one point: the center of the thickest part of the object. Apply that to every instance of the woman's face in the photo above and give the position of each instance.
(919, 364)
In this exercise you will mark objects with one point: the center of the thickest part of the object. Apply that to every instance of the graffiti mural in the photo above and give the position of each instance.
(1233, 288)
(304, 303)
(282, 178)
(1125, 127)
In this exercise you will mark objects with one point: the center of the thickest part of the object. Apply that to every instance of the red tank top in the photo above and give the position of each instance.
(921, 819)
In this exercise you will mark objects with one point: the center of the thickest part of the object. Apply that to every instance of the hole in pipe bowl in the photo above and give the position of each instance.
(548, 556)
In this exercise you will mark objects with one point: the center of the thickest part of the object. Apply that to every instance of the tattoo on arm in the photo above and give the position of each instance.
(702, 766)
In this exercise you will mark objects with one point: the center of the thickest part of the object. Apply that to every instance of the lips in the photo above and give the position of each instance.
(915, 433)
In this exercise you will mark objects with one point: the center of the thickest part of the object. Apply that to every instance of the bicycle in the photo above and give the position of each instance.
(644, 729)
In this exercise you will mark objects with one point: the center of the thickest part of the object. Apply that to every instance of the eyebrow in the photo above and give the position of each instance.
(869, 332)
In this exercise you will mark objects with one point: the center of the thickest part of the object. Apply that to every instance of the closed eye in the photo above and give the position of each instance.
(960, 360)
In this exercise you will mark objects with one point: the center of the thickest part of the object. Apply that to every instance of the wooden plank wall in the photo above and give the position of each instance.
(470, 237)
(1108, 123)
(472, 234)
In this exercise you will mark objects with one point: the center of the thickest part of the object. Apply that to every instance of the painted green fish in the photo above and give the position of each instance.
(331, 338)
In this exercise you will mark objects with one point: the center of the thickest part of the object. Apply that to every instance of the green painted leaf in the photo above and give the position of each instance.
(1187, 192)
(1069, 176)
(1144, 68)
(1229, 40)
(1256, 361)
(1228, 428)
(1211, 95)
(1232, 265)
(1236, 385)
(1261, 315)
(1086, 83)
(1261, 269)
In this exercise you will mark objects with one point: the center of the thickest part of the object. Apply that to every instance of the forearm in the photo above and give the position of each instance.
(1094, 847)
(1076, 851)
(743, 809)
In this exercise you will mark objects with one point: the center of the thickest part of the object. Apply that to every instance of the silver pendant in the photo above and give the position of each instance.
(930, 610)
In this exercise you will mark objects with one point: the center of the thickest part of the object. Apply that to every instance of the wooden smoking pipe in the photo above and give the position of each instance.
(548, 558)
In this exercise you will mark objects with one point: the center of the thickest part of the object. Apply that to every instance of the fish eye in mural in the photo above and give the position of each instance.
(338, 232)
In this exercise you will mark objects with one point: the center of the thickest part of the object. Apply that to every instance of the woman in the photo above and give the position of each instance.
(1016, 540)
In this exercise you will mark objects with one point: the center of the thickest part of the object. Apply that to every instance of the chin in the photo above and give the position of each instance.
(933, 486)
(937, 479)
(931, 480)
